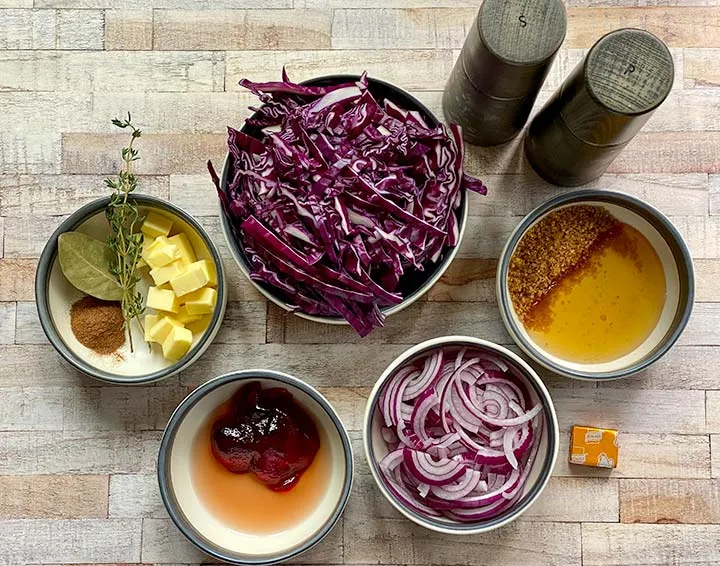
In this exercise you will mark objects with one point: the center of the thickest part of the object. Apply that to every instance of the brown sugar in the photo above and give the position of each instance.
(98, 325)
(551, 249)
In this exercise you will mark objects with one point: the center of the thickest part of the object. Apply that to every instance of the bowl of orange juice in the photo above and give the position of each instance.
(255, 467)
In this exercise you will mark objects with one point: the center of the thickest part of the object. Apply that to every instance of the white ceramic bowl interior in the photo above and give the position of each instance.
(193, 517)
(376, 447)
(676, 303)
(146, 360)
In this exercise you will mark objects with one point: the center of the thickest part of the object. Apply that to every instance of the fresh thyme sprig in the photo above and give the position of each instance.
(125, 243)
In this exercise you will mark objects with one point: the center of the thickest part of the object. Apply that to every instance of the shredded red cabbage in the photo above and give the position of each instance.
(461, 432)
(338, 196)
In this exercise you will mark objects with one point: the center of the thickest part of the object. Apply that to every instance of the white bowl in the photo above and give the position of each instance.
(197, 522)
(679, 280)
(376, 447)
(55, 295)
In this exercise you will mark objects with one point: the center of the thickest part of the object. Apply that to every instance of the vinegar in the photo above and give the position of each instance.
(245, 504)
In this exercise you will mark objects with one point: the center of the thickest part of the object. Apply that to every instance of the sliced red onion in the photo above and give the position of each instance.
(463, 432)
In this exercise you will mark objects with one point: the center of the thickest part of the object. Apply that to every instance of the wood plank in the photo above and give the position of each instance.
(702, 67)
(2, 237)
(129, 29)
(670, 152)
(7, 323)
(163, 4)
(687, 110)
(26, 236)
(423, 28)
(686, 26)
(701, 234)
(358, 364)
(574, 500)
(636, 411)
(59, 195)
(27, 152)
(241, 29)
(647, 456)
(702, 328)
(669, 501)
(714, 194)
(31, 408)
(674, 194)
(244, 323)
(429, 70)
(162, 154)
(49, 29)
(138, 71)
(24, 453)
(195, 193)
(650, 545)
(17, 279)
(378, 4)
(16, 3)
(24, 366)
(712, 410)
(51, 542)
(208, 112)
(135, 496)
(118, 409)
(521, 543)
(683, 367)
(707, 274)
(162, 543)
(421, 321)
(275, 326)
(53, 497)
(466, 280)
(715, 449)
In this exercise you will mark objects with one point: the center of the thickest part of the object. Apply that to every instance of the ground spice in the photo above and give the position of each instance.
(98, 325)
(551, 249)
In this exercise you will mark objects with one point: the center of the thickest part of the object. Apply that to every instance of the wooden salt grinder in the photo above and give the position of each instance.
(504, 62)
(600, 107)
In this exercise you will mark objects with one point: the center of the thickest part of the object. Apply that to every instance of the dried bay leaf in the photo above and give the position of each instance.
(85, 263)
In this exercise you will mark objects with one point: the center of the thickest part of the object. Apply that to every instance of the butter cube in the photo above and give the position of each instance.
(162, 300)
(209, 267)
(187, 255)
(201, 301)
(156, 224)
(150, 320)
(162, 275)
(194, 277)
(162, 328)
(151, 244)
(177, 343)
(160, 256)
(185, 317)
(199, 326)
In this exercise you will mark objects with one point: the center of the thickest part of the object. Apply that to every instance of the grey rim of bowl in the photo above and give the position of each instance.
(441, 268)
(163, 466)
(42, 277)
(550, 420)
(657, 220)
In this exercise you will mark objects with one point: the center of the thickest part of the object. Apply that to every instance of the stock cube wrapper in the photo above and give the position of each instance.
(156, 224)
(596, 447)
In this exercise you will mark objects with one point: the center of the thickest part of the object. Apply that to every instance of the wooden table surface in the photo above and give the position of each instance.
(77, 459)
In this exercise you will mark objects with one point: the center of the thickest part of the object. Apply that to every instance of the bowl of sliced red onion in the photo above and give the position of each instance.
(343, 198)
(461, 435)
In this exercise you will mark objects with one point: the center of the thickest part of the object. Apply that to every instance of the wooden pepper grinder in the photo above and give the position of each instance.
(600, 107)
(504, 62)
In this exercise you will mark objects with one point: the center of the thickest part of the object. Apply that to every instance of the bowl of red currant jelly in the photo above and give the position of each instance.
(255, 467)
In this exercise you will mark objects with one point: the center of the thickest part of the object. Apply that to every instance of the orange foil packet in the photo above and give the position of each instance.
(597, 447)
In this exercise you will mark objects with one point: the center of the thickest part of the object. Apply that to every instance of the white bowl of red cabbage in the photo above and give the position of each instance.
(343, 198)
(461, 435)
